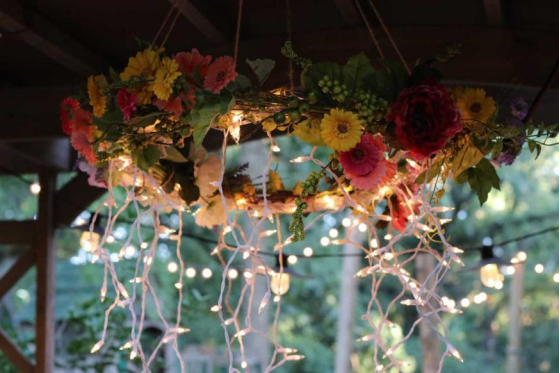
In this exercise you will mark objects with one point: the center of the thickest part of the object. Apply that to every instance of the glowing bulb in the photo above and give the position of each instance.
(522, 256)
(297, 160)
(97, 347)
(215, 308)
(243, 364)
(362, 227)
(465, 302)
(308, 252)
(388, 236)
(374, 243)
(110, 239)
(333, 232)
(539, 268)
(489, 275)
(190, 272)
(346, 222)
(206, 273)
(233, 274)
(144, 245)
(480, 297)
(510, 270)
(276, 149)
(172, 267)
(325, 241)
(88, 241)
(280, 283)
(227, 229)
(35, 188)
(498, 285)
(247, 274)
(178, 285)
(556, 277)
(292, 259)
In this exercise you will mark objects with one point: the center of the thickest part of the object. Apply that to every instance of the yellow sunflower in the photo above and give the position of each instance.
(341, 129)
(144, 66)
(165, 76)
(475, 105)
(97, 99)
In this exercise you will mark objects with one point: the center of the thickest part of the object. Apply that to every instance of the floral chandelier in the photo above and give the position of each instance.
(394, 138)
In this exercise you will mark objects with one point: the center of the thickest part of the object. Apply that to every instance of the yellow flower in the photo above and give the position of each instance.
(341, 129)
(165, 76)
(274, 182)
(310, 131)
(97, 99)
(223, 122)
(475, 105)
(143, 66)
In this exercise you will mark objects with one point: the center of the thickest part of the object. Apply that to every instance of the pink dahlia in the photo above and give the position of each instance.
(365, 165)
(189, 61)
(173, 105)
(220, 74)
(127, 102)
(81, 141)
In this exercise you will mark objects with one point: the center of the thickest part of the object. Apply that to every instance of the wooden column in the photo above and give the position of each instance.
(431, 349)
(514, 336)
(46, 257)
(345, 338)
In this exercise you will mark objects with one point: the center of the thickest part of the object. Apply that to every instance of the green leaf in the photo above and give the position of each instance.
(467, 157)
(175, 155)
(144, 158)
(114, 76)
(356, 70)
(539, 148)
(387, 83)
(433, 171)
(532, 145)
(261, 68)
(497, 150)
(482, 179)
(108, 119)
(145, 120)
(203, 116)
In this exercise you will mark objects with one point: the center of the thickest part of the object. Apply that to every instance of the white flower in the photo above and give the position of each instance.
(212, 214)
(207, 172)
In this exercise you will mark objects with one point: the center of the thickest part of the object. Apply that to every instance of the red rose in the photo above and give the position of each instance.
(426, 118)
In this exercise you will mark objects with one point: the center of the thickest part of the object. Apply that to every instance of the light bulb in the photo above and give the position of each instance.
(35, 188)
(172, 267)
(539, 268)
(346, 222)
(280, 283)
(206, 273)
(190, 272)
(489, 275)
(308, 252)
(88, 241)
(233, 274)
(292, 259)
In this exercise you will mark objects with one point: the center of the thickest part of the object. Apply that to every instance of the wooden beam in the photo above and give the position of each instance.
(493, 12)
(14, 354)
(200, 20)
(75, 197)
(17, 270)
(347, 9)
(46, 260)
(56, 154)
(17, 232)
(47, 38)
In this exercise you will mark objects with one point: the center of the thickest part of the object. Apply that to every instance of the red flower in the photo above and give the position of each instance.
(173, 105)
(127, 102)
(365, 165)
(81, 141)
(220, 74)
(426, 118)
(189, 61)
(400, 211)
(72, 116)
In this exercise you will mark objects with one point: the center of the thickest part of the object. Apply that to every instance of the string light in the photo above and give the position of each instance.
(346, 222)
(35, 188)
(172, 267)
(292, 259)
(556, 277)
(539, 268)
(190, 272)
(333, 233)
(233, 274)
(206, 273)
(308, 252)
(510, 270)
(325, 241)
(465, 302)
(362, 227)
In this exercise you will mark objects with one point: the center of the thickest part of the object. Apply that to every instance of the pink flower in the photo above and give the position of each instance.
(173, 105)
(189, 61)
(400, 210)
(73, 117)
(127, 102)
(80, 141)
(96, 175)
(220, 74)
(365, 165)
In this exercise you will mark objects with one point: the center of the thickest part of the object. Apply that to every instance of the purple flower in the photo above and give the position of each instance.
(506, 158)
(514, 122)
(519, 107)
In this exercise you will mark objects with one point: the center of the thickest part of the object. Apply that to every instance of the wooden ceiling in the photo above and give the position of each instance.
(49, 47)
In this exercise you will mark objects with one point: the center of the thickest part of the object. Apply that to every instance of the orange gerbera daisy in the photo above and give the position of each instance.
(220, 74)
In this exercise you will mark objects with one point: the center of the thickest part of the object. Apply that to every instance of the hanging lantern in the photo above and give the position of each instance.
(488, 267)
(90, 240)
(280, 276)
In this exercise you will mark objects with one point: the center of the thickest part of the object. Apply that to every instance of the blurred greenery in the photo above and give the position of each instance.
(528, 202)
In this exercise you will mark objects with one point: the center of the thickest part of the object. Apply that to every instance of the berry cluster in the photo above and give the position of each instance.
(311, 184)
(371, 106)
(296, 225)
(338, 91)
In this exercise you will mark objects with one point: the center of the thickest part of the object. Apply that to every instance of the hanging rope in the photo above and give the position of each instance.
(544, 88)
(236, 46)
(166, 19)
(389, 36)
(174, 21)
(370, 31)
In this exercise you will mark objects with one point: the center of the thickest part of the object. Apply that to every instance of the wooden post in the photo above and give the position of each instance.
(345, 338)
(431, 348)
(46, 257)
(514, 336)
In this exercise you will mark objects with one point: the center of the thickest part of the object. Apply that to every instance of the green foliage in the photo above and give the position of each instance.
(481, 178)
(204, 114)
(355, 71)
(146, 157)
